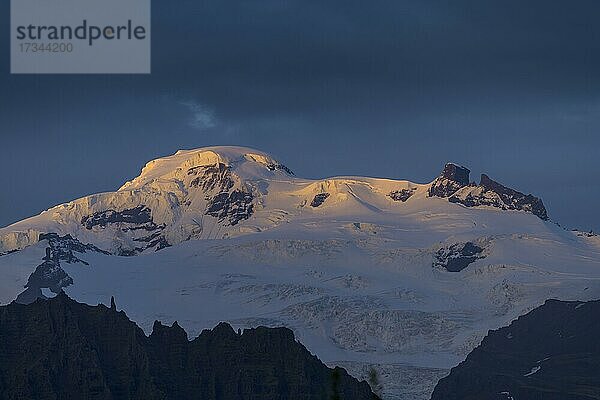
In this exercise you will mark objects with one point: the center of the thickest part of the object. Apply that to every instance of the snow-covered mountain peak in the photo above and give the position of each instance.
(245, 162)
(225, 192)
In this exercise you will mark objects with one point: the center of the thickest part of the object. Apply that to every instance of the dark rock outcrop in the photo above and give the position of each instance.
(587, 234)
(279, 167)
(132, 220)
(61, 349)
(49, 274)
(63, 247)
(402, 195)
(223, 203)
(454, 185)
(458, 256)
(551, 353)
(233, 207)
(319, 199)
(493, 194)
(211, 177)
(453, 178)
(155, 240)
(140, 215)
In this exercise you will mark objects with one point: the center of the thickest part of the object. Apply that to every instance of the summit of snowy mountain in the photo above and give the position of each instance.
(225, 191)
(399, 276)
(244, 162)
(166, 204)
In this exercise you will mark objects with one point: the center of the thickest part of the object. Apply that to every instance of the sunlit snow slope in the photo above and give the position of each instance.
(401, 276)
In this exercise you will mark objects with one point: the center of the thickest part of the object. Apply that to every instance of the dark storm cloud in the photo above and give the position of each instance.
(384, 88)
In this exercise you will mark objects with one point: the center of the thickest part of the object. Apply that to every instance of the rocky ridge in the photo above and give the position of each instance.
(59, 348)
(551, 353)
(454, 185)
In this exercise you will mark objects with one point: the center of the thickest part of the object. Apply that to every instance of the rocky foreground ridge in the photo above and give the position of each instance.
(61, 349)
(551, 353)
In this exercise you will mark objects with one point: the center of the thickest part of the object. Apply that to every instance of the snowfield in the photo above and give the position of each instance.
(359, 268)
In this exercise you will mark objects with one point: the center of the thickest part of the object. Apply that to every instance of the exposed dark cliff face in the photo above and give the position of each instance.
(453, 178)
(456, 173)
(137, 221)
(233, 207)
(494, 194)
(211, 177)
(453, 184)
(60, 349)
(140, 215)
(217, 181)
(551, 353)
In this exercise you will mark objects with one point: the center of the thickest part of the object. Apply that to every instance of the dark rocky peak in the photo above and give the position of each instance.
(551, 353)
(515, 199)
(454, 184)
(163, 332)
(62, 349)
(494, 194)
(456, 173)
(453, 178)
(222, 329)
(490, 184)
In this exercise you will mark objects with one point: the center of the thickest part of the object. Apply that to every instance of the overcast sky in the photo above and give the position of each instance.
(379, 88)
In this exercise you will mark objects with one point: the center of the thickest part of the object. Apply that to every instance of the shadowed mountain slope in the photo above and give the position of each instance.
(551, 353)
(61, 349)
